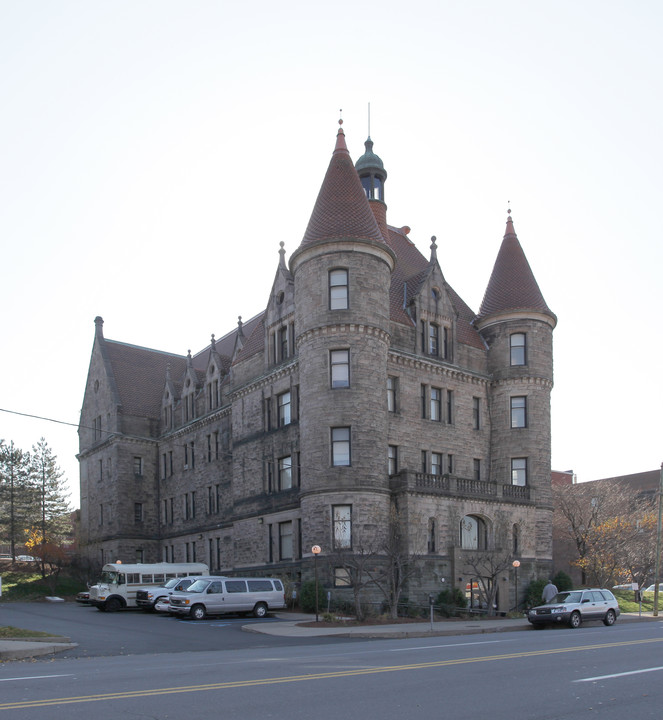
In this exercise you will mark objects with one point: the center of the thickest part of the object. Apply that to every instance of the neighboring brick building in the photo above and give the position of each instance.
(367, 384)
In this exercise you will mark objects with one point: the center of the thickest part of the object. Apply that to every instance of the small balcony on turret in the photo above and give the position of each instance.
(458, 487)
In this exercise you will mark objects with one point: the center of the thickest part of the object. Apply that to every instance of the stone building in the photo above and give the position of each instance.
(366, 396)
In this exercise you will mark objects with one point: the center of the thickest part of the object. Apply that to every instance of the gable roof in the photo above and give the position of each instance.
(411, 270)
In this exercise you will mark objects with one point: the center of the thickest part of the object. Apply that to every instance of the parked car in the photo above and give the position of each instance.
(148, 598)
(217, 595)
(573, 607)
(651, 588)
(25, 558)
(83, 597)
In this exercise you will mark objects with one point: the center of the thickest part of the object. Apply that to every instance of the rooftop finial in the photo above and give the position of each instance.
(340, 120)
(369, 119)
(508, 211)
(213, 342)
(433, 248)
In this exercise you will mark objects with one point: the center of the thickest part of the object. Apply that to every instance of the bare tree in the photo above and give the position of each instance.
(487, 565)
(610, 525)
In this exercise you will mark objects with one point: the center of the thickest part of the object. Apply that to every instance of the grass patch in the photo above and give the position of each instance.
(627, 603)
(7, 631)
(25, 586)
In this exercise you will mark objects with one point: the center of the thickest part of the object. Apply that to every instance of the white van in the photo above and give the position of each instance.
(119, 583)
(217, 595)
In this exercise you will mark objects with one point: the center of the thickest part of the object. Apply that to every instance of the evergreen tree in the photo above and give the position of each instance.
(50, 492)
(16, 496)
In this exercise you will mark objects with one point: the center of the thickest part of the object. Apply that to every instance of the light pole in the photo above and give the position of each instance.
(516, 565)
(657, 571)
(316, 549)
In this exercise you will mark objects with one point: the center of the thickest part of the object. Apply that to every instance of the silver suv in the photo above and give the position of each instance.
(575, 607)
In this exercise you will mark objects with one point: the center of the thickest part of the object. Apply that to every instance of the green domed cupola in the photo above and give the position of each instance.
(371, 173)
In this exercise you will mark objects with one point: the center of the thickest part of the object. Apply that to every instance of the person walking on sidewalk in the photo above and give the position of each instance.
(549, 592)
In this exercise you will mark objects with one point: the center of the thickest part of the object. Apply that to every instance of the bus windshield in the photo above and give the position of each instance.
(110, 577)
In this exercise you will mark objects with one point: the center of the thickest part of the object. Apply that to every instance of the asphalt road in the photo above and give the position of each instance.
(594, 672)
(135, 632)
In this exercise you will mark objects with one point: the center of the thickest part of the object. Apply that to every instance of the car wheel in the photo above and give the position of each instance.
(575, 620)
(260, 610)
(113, 605)
(197, 612)
(609, 618)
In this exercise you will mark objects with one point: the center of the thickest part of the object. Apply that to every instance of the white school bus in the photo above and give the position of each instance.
(117, 586)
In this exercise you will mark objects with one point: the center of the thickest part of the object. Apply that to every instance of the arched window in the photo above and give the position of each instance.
(473, 533)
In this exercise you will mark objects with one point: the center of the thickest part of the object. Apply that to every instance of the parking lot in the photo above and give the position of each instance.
(135, 632)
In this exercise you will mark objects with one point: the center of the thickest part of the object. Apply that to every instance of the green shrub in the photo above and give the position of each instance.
(563, 581)
(307, 597)
(534, 591)
(449, 601)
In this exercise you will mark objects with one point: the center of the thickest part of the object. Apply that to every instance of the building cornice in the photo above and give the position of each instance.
(343, 328)
(446, 370)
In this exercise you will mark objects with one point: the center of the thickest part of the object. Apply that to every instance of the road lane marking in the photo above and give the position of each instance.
(431, 647)
(622, 674)
(356, 672)
(35, 677)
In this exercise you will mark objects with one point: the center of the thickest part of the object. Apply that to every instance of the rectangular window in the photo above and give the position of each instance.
(476, 413)
(392, 454)
(186, 456)
(101, 470)
(164, 514)
(285, 541)
(209, 448)
(445, 343)
(519, 412)
(338, 290)
(519, 471)
(216, 445)
(433, 339)
(477, 469)
(193, 504)
(518, 349)
(283, 343)
(164, 466)
(138, 466)
(436, 463)
(392, 385)
(138, 512)
(450, 407)
(193, 457)
(340, 438)
(342, 526)
(450, 464)
(210, 500)
(170, 461)
(342, 577)
(339, 363)
(423, 401)
(285, 473)
(435, 404)
(284, 409)
(424, 461)
(101, 514)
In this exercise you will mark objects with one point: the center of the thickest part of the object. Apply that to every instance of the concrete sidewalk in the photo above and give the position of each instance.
(290, 625)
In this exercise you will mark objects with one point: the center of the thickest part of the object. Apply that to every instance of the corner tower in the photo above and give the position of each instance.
(342, 274)
(517, 326)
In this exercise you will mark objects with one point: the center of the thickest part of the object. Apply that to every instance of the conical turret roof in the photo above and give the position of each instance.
(512, 285)
(341, 210)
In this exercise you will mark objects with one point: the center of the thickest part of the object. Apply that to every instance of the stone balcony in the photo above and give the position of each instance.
(458, 487)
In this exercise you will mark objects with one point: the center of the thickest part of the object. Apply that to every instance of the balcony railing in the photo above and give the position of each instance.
(458, 486)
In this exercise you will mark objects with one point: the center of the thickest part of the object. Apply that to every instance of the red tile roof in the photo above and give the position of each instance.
(140, 376)
(341, 210)
(512, 285)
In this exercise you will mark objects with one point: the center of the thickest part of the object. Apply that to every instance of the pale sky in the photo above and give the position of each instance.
(154, 153)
